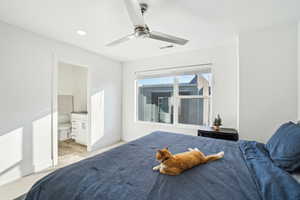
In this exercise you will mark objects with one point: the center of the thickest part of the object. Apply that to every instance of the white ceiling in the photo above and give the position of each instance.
(204, 22)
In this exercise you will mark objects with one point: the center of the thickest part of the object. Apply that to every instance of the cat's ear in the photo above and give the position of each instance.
(167, 148)
(159, 151)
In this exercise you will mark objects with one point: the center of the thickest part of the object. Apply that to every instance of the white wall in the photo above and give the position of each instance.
(224, 61)
(298, 71)
(65, 79)
(268, 80)
(26, 64)
(255, 87)
(80, 88)
(72, 80)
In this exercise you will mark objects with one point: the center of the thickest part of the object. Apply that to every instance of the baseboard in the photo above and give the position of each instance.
(6, 179)
(42, 165)
(95, 147)
(9, 180)
(129, 139)
(17, 172)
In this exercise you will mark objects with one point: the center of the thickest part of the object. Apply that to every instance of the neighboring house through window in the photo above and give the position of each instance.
(175, 99)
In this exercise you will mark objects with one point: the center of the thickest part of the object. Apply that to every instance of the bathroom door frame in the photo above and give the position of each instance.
(54, 114)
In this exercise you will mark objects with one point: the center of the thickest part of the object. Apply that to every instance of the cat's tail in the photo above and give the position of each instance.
(214, 156)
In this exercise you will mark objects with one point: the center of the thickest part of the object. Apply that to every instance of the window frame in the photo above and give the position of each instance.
(176, 101)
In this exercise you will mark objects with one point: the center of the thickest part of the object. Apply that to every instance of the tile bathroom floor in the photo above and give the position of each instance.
(69, 150)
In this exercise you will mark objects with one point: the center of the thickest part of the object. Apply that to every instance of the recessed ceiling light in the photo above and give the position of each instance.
(81, 32)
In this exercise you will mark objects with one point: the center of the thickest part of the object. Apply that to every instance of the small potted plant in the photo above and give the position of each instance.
(217, 123)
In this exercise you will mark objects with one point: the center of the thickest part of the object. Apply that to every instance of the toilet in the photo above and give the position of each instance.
(64, 127)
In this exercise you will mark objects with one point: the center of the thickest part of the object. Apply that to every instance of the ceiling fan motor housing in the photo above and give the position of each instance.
(141, 31)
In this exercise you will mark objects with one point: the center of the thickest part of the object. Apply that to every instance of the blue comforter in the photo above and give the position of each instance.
(125, 173)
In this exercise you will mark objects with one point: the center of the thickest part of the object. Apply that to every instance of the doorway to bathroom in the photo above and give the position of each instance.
(72, 112)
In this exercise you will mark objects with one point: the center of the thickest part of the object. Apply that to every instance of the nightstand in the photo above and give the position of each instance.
(223, 133)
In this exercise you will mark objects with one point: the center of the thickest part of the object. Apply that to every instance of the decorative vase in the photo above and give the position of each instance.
(216, 128)
(217, 123)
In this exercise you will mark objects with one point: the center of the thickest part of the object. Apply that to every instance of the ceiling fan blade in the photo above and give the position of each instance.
(167, 38)
(134, 12)
(121, 40)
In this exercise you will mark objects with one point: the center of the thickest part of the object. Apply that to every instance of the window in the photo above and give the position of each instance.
(179, 99)
(155, 99)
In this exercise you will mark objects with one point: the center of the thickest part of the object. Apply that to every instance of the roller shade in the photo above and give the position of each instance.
(174, 71)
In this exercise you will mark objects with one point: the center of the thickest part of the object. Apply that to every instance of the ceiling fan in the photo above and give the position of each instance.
(141, 30)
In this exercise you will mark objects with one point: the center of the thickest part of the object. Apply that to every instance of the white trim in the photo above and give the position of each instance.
(212, 88)
(176, 100)
(193, 97)
(172, 71)
(54, 84)
(136, 92)
(42, 165)
(179, 125)
(189, 126)
(34, 168)
(54, 131)
(154, 123)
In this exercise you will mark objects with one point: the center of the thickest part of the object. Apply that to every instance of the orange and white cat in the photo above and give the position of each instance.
(175, 164)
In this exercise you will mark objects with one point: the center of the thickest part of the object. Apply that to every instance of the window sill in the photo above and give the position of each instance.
(180, 126)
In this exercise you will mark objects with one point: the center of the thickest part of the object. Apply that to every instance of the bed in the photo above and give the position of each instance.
(125, 172)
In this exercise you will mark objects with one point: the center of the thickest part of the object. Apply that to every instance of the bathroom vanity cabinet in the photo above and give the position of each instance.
(79, 127)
